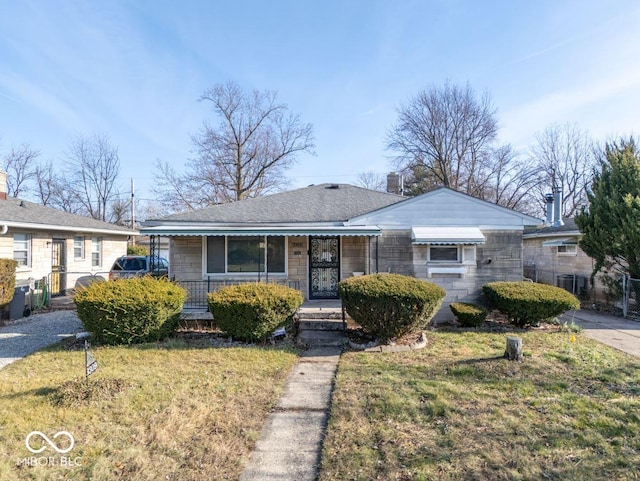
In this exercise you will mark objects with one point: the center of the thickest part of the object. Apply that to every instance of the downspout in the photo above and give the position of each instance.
(4, 229)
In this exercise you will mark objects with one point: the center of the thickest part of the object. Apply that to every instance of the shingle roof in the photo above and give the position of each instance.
(569, 227)
(17, 211)
(316, 203)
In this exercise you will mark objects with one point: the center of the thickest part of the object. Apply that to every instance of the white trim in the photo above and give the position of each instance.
(61, 228)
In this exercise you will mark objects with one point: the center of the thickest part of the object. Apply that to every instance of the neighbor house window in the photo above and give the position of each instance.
(568, 250)
(96, 252)
(78, 247)
(444, 254)
(246, 254)
(22, 249)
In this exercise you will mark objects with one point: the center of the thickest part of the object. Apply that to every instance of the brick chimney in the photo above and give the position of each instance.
(395, 183)
(3, 185)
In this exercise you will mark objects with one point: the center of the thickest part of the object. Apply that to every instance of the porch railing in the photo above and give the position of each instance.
(197, 291)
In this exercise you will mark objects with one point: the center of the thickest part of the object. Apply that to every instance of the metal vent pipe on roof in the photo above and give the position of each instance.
(557, 208)
(549, 208)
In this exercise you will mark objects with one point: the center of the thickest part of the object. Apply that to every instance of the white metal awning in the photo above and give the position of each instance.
(447, 235)
(567, 241)
(174, 230)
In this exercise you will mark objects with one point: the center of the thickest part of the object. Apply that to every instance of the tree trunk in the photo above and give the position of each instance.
(514, 349)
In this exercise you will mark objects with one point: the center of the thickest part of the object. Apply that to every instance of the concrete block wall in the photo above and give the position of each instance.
(185, 258)
(355, 252)
(298, 262)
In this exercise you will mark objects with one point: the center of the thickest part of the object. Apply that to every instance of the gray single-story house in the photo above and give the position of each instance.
(313, 237)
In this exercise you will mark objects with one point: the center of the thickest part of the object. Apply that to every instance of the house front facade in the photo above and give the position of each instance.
(60, 247)
(312, 238)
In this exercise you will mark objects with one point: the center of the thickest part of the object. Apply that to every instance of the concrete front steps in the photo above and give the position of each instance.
(321, 326)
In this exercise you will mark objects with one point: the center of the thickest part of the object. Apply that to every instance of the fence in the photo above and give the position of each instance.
(630, 297)
(577, 284)
(197, 291)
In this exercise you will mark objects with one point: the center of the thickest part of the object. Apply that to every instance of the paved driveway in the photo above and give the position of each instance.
(22, 337)
(617, 332)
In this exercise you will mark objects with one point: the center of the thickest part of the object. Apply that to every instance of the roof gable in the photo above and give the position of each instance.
(446, 207)
(316, 203)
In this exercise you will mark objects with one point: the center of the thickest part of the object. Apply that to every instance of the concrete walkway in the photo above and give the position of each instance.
(290, 444)
(613, 331)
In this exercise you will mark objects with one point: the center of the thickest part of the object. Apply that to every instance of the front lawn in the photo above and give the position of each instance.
(456, 411)
(170, 411)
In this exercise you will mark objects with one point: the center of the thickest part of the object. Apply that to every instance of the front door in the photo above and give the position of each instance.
(324, 267)
(58, 268)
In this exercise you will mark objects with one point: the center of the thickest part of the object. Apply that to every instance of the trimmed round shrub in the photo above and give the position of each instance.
(128, 311)
(137, 251)
(468, 315)
(251, 312)
(389, 306)
(529, 303)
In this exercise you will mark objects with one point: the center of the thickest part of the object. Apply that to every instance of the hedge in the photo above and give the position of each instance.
(128, 311)
(469, 315)
(390, 305)
(529, 303)
(252, 311)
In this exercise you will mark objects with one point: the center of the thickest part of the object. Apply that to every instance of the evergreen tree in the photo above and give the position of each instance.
(611, 225)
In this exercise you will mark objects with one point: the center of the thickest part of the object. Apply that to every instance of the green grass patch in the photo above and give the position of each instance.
(457, 410)
(169, 410)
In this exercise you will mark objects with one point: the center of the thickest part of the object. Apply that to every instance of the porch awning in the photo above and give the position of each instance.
(567, 241)
(172, 231)
(447, 235)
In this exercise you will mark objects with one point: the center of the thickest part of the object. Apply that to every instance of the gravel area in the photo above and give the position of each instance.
(24, 336)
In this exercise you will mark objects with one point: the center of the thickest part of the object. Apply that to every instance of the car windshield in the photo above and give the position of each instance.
(131, 264)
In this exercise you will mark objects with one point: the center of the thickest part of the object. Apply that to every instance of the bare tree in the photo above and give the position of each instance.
(565, 156)
(95, 166)
(508, 180)
(246, 153)
(372, 180)
(442, 137)
(20, 166)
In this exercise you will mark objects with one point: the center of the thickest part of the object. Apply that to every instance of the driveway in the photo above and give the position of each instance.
(24, 336)
(613, 331)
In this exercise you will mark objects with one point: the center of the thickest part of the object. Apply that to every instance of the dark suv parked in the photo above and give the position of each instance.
(135, 266)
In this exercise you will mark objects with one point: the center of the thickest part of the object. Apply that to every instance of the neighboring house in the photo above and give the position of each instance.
(552, 254)
(57, 245)
(313, 237)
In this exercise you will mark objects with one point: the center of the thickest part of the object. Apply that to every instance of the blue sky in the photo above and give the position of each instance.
(134, 70)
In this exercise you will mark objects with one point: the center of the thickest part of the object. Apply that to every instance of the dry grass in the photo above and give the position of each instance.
(173, 410)
(457, 410)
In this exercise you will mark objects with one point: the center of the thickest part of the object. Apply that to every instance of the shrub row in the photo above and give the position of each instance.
(528, 303)
(390, 305)
(251, 312)
(128, 311)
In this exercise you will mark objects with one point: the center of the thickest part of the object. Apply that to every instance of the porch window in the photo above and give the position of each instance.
(22, 249)
(78, 248)
(246, 254)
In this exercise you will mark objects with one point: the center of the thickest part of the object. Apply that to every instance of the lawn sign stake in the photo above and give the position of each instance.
(90, 363)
